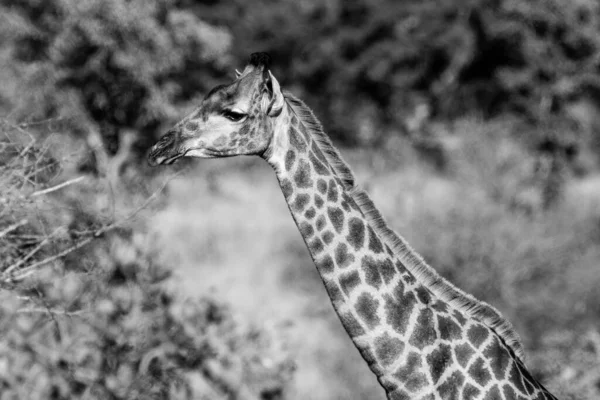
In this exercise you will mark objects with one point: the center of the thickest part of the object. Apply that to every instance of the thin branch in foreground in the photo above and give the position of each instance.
(57, 187)
(52, 311)
(22, 273)
(31, 253)
(25, 272)
(12, 227)
(24, 125)
(141, 207)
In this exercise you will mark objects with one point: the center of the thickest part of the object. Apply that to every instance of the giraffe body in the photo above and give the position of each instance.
(422, 337)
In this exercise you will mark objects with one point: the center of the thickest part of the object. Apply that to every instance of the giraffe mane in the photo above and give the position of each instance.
(422, 271)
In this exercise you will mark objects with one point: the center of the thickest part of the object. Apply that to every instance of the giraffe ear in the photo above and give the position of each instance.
(277, 101)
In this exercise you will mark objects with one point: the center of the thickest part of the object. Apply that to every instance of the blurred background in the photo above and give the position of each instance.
(472, 123)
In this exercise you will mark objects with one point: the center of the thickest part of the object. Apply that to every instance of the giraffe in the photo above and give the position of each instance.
(422, 337)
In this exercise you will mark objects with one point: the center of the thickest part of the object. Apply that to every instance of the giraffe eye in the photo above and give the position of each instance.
(233, 115)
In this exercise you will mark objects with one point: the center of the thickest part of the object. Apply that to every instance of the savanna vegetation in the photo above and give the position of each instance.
(473, 124)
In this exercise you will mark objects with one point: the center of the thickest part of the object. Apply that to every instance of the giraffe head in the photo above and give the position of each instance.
(234, 119)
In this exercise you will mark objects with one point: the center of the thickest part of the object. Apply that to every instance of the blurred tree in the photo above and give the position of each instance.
(368, 59)
(110, 65)
(363, 65)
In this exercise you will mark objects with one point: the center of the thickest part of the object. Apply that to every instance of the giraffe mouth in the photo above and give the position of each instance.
(172, 159)
(156, 158)
(162, 160)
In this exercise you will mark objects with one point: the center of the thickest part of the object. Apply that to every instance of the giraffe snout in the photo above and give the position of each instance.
(166, 150)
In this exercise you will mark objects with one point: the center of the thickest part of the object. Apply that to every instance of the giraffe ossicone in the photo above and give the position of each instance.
(421, 336)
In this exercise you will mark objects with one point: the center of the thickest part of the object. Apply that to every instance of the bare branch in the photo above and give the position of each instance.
(25, 272)
(13, 227)
(11, 275)
(52, 311)
(57, 187)
(31, 253)
(141, 207)
(227, 382)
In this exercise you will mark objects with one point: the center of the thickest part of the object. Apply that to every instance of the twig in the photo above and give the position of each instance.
(140, 208)
(225, 381)
(24, 125)
(16, 127)
(52, 316)
(13, 227)
(57, 187)
(11, 276)
(30, 254)
(41, 169)
(25, 272)
(53, 311)
(27, 148)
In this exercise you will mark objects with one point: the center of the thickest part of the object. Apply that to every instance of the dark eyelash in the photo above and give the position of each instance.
(233, 116)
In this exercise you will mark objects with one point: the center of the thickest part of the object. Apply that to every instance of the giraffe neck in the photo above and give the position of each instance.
(414, 340)
(356, 266)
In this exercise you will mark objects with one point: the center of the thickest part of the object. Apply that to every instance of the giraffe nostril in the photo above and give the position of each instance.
(166, 140)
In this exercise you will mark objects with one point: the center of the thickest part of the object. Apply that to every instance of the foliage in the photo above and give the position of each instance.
(377, 60)
(86, 310)
(24, 167)
(109, 65)
(363, 65)
(121, 335)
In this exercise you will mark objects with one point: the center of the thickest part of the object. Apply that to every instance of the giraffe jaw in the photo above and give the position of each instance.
(154, 160)
(210, 153)
(172, 159)
(164, 152)
(155, 157)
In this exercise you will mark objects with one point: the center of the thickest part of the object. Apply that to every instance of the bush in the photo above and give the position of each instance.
(363, 65)
(109, 66)
(88, 314)
(378, 60)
